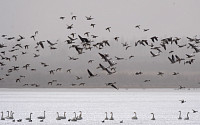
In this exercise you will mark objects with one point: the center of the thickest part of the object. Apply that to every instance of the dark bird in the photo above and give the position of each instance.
(145, 30)
(3, 35)
(21, 38)
(82, 84)
(84, 40)
(109, 72)
(154, 38)
(70, 26)
(69, 70)
(89, 18)
(116, 38)
(72, 58)
(74, 17)
(73, 34)
(36, 32)
(194, 111)
(154, 55)
(147, 80)
(26, 46)
(137, 26)
(189, 56)
(87, 33)
(94, 36)
(33, 36)
(62, 17)
(108, 28)
(131, 56)
(172, 60)
(41, 44)
(182, 101)
(119, 58)
(50, 43)
(101, 66)
(92, 24)
(90, 61)
(160, 73)
(18, 80)
(78, 77)
(112, 85)
(91, 74)
(175, 73)
(10, 38)
(181, 87)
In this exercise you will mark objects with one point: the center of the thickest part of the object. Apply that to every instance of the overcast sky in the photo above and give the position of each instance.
(167, 18)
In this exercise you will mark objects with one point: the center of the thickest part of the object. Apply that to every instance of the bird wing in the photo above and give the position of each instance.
(41, 44)
(114, 86)
(152, 53)
(89, 72)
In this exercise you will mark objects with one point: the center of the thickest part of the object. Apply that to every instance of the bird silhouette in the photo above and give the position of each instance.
(91, 74)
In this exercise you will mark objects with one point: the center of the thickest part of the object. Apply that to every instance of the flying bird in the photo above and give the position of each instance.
(108, 28)
(91, 74)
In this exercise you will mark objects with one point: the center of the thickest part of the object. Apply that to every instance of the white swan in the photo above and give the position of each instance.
(179, 116)
(187, 118)
(74, 119)
(135, 117)
(111, 118)
(63, 117)
(2, 118)
(8, 115)
(106, 118)
(153, 118)
(42, 117)
(58, 118)
(11, 115)
(29, 117)
(80, 116)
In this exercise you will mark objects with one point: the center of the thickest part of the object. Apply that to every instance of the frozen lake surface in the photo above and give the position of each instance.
(93, 103)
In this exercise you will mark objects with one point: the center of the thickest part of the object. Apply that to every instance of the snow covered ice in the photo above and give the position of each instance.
(93, 103)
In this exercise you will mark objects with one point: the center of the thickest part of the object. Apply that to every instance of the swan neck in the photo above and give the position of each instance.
(188, 115)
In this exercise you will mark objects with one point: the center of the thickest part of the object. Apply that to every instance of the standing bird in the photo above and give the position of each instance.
(135, 117)
(187, 118)
(153, 118)
(42, 117)
(179, 117)
(111, 118)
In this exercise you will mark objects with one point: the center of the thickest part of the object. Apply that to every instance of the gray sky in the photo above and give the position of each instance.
(169, 18)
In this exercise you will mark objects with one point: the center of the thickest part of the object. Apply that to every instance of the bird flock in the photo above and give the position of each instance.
(15, 49)
(10, 116)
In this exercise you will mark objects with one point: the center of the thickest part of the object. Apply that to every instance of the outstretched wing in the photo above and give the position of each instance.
(114, 86)
(89, 72)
